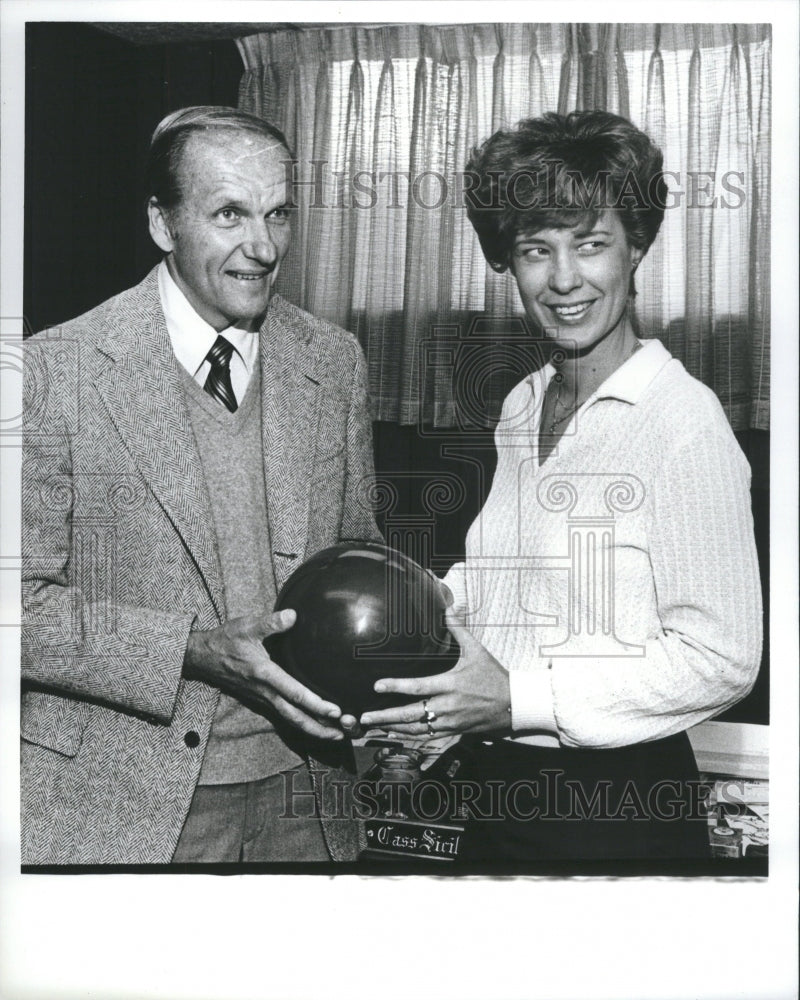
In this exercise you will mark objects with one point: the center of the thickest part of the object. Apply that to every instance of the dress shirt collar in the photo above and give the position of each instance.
(191, 337)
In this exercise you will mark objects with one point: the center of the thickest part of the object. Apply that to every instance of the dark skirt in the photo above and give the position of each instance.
(626, 803)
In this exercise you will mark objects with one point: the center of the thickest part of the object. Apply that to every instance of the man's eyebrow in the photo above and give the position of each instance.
(224, 197)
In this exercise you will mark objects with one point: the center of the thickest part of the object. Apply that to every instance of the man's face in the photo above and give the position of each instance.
(226, 239)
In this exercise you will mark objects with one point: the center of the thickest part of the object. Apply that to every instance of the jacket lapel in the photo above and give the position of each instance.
(290, 380)
(291, 374)
(140, 383)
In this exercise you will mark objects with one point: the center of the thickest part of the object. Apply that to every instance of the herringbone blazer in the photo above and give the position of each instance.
(120, 561)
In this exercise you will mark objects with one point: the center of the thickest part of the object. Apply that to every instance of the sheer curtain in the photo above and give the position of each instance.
(382, 120)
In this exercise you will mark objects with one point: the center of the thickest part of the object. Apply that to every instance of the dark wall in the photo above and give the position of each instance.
(92, 101)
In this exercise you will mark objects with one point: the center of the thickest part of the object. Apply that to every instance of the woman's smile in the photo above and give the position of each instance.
(574, 282)
(573, 312)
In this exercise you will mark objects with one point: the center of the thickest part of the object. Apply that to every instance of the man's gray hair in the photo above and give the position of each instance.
(174, 131)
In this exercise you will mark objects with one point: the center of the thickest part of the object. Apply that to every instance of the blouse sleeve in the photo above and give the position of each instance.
(706, 654)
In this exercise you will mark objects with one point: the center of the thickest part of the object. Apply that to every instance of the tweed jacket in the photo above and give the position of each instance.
(120, 561)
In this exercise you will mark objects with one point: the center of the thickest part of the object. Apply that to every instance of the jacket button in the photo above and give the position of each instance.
(192, 739)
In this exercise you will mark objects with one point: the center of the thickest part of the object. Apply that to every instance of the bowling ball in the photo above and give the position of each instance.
(364, 611)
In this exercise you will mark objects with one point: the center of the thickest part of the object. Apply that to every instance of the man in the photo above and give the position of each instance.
(187, 444)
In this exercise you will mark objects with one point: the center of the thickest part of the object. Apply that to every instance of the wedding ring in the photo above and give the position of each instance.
(428, 716)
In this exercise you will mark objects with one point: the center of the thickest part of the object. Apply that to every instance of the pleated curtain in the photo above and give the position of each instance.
(382, 120)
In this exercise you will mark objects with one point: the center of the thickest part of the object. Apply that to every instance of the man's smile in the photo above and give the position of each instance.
(249, 275)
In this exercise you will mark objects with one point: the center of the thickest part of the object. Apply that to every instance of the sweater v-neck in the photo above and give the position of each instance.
(212, 408)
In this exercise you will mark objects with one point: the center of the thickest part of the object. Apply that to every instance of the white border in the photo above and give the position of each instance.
(205, 937)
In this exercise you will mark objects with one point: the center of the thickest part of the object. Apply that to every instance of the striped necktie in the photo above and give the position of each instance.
(218, 383)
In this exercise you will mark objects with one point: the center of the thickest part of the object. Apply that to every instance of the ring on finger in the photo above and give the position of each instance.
(428, 715)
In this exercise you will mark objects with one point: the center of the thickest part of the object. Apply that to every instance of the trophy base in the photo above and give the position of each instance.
(400, 828)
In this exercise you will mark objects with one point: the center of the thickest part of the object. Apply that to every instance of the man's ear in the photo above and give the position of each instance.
(160, 228)
(636, 257)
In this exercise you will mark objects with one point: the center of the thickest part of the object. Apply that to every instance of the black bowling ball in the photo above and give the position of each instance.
(364, 611)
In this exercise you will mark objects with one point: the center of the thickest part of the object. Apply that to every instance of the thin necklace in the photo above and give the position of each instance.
(574, 409)
(558, 420)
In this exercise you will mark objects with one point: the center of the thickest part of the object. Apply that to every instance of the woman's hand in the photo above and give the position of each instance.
(473, 697)
(444, 590)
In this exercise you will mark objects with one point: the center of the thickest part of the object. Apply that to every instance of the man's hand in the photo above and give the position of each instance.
(232, 657)
(473, 697)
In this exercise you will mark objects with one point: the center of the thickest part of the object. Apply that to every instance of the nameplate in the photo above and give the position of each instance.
(412, 839)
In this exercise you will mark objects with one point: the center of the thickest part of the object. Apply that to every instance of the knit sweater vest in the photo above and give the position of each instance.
(243, 745)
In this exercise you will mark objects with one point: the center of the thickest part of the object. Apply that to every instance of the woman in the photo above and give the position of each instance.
(610, 597)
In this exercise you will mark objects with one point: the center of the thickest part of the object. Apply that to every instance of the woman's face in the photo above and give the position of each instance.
(574, 282)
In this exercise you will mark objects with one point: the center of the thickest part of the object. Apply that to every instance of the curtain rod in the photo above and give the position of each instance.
(303, 26)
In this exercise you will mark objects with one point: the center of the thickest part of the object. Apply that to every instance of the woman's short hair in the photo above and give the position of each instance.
(559, 171)
(162, 174)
